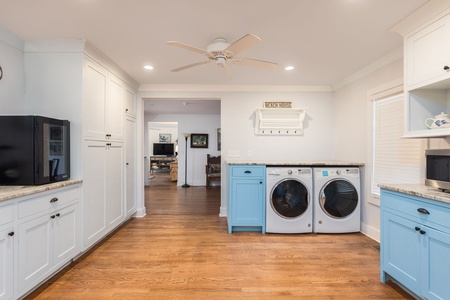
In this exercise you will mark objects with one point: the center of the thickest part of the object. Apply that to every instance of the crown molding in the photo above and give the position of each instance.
(232, 88)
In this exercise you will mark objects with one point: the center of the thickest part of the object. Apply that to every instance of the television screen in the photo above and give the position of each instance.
(163, 149)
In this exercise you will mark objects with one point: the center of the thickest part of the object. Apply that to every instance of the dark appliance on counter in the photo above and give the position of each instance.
(438, 168)
(34, 150)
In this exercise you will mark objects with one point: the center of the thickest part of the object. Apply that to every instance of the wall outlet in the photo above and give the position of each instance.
(234, 153)
(249, 153)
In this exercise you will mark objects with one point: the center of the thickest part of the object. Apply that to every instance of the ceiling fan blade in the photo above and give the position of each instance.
(191, 65)
(255, 63)
(243, 43)
(188, 47)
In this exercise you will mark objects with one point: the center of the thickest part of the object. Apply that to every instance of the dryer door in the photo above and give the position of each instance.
(289, 198)
(338, 198)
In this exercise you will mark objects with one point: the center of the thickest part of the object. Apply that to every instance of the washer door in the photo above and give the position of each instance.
(338, 198)
(289, 198)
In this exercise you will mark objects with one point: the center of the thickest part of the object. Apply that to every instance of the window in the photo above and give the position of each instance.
(395, 160)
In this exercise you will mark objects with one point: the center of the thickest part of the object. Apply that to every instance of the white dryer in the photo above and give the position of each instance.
(337, 200)
(289, 200)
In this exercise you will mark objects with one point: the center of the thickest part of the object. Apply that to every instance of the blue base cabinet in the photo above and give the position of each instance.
(246, 201)
(415, 244)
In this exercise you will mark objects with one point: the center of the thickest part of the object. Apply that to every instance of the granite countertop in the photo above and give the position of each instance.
(12, 192)
(323, 163)
(419, 190)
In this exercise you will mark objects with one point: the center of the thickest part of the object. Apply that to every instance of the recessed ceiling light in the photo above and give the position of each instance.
(289, 68)
(148, 67)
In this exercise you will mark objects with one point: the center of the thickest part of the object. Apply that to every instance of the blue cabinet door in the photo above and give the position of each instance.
(401, 253)
(436, 264)
(246, 208)
(246, 202)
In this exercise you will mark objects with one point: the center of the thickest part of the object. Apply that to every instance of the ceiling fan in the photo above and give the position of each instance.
(221, 52)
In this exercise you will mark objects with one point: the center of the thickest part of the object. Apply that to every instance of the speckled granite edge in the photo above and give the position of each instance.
(13, 192)
(294, 163)
(419, 190)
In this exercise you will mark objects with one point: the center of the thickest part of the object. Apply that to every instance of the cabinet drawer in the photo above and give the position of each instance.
(6, 214)
(48, 202)
(424, 211)
(247, 171)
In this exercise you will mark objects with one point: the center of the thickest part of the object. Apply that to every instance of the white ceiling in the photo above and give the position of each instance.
(326, 40)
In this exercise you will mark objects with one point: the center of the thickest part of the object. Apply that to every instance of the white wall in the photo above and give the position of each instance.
(237, 124)
(353, 133)
(12, 85)
(196, 158)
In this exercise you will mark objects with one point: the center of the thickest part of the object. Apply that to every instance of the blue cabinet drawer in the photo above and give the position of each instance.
(247, 171)
(425, 211)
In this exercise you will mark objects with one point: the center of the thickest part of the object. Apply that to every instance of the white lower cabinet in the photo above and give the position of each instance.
(43, 236)
(7, 258)
(103, 205)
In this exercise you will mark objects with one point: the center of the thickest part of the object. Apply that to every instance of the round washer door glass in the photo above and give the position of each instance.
(338, 198)
(289, 198)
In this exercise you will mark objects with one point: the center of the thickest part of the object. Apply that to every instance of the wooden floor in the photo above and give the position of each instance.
(181, 250)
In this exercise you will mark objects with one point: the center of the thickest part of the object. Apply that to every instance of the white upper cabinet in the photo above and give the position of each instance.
(103, 103)
(130, 101)
(428, 54)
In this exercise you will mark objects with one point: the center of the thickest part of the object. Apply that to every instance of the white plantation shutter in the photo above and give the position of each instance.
(395, 160)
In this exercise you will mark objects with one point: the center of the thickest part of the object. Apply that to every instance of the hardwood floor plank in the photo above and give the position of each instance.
(182, 250)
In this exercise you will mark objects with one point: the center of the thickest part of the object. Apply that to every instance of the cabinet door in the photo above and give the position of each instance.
(95, 84)
(35, 251)
(65, 235)
(6, 265)
(247, 207)
(130, 166)
(401, 250)
(114, 185)
(436, 262)
(130, 101)
(114, 109)
(94, 194)
(427, 53)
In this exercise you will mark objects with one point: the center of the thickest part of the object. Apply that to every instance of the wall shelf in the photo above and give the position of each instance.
(279, 121)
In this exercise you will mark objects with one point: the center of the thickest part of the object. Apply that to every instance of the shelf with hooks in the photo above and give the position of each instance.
(279, 121)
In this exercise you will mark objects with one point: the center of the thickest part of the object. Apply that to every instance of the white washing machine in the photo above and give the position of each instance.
(337, 200)
(289, 200)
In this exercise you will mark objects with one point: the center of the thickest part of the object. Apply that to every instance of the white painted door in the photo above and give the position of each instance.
(130, 166)
(94, 193)
(65, 233)
(35, 250)
(94, 88)
(115, 184)
(114, 109)
(6, 266)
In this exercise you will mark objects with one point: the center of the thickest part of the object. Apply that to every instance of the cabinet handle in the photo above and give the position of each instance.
(54, 200)
(52, 217)
(248, 172)
(446, 68)
(58, 214)
(422, 232)
(11, 233)
(417, 228)
(260, 182)
(423, 211)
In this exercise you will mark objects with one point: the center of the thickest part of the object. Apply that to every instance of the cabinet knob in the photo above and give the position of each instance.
(126, 110)
(423, 211)
(58, 214)
(417, 228)
(11, 233)
(54, 200)
(422, 232)
(446, 68)
(52, 217)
